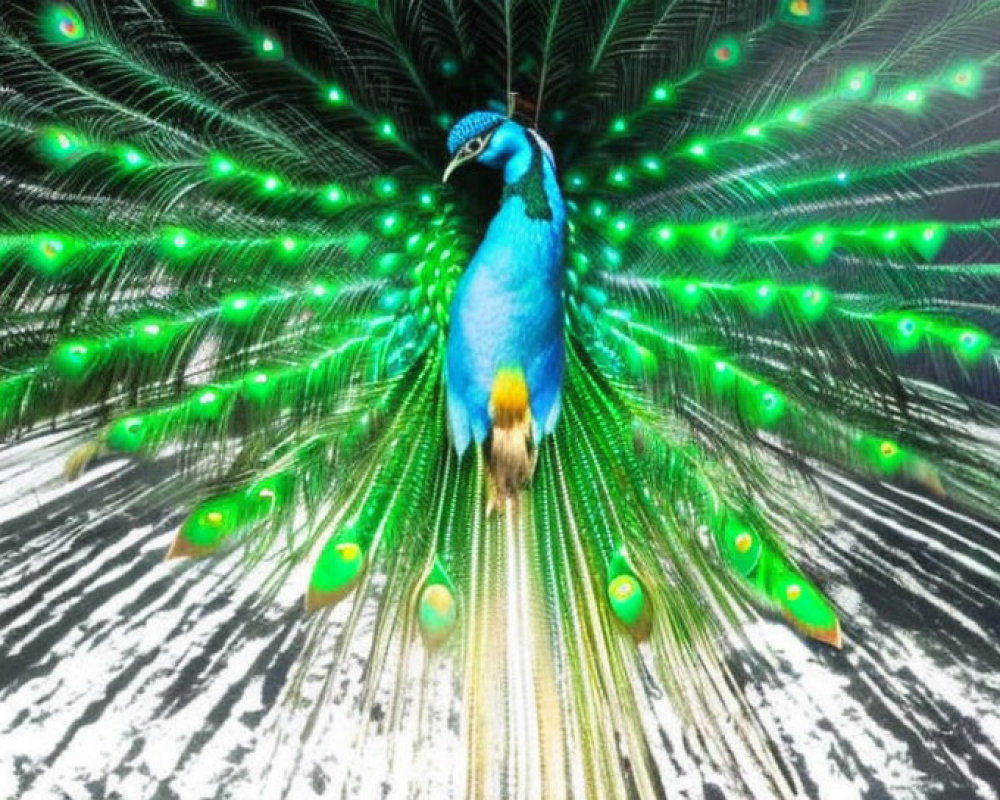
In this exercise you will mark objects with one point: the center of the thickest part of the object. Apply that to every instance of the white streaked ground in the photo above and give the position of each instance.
(124, 677)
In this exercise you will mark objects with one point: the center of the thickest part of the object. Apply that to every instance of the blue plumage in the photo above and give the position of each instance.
(507, 312)
(472, 125)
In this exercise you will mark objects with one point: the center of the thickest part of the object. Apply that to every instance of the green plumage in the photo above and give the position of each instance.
(224, 235)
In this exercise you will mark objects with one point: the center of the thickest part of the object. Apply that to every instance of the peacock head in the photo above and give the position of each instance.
(483, 136)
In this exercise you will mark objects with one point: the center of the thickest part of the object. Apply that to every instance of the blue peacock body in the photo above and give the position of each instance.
(545, 459)
(507, 313)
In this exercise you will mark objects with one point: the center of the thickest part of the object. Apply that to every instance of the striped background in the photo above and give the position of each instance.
(125, 677)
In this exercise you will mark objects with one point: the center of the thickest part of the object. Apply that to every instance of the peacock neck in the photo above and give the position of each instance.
(530, 177)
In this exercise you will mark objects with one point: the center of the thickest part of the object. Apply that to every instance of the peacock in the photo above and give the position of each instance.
(529, 357)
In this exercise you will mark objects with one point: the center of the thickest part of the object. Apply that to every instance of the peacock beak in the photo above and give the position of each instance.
(467, 152)
(456, 162)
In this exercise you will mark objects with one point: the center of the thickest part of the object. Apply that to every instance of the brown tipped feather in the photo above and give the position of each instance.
(830, 636)
(316, 599)
(643, 626)
(929, 476)
(181, 547)
(80, 459)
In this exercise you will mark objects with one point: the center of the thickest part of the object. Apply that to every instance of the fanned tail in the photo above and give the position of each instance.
(225, 252)
(545, 604)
